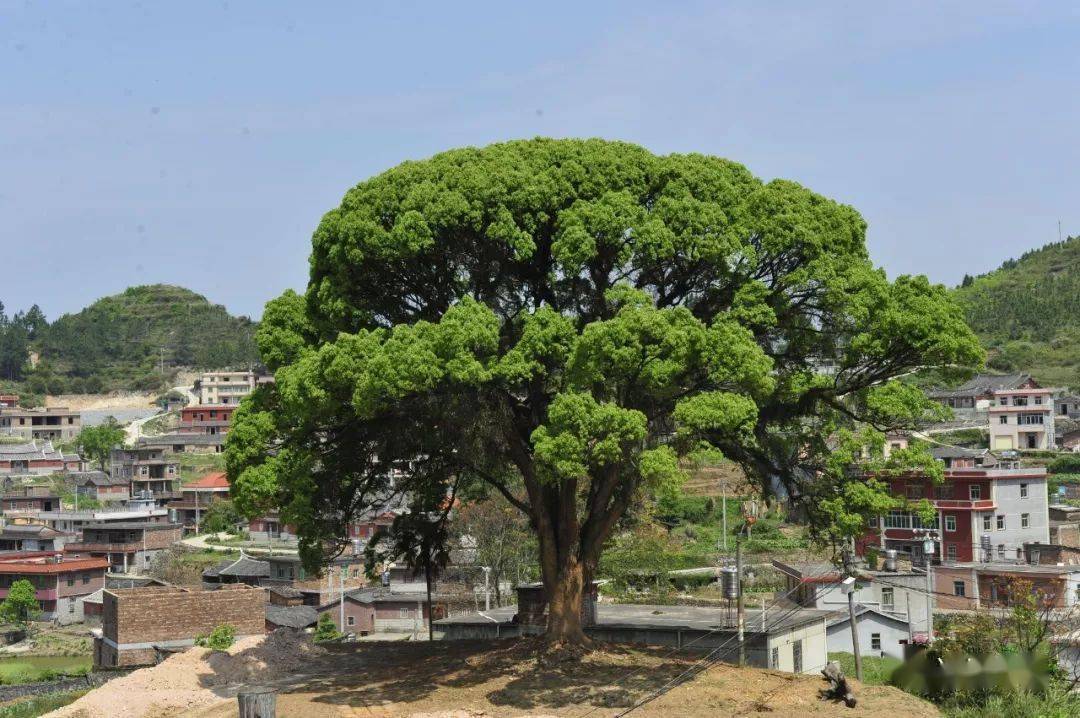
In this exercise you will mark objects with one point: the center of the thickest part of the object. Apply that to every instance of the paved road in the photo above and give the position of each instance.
(134, 430)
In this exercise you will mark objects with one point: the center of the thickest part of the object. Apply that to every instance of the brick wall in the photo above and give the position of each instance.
(944, 585)
(163, 538)
(165, 615)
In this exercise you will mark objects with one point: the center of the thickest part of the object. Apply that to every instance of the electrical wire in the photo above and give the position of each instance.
(675, 650)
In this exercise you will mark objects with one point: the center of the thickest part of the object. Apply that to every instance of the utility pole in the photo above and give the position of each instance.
(850, 584)
(341, 598)
(740, 609)
(430, 613)
(724, 512)
(487, 587)
(929, 536)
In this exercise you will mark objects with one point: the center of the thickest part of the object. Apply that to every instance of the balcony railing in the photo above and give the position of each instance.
(972, 504)
(97, 547)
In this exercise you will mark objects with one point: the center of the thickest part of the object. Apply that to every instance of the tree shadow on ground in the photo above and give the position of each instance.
(475, 673)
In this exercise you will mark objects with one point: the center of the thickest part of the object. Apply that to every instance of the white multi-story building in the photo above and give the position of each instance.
(224, 388)
(1022, 419)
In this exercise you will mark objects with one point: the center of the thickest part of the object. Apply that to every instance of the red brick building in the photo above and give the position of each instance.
(59, 582)
(127, 546)
(36, 457)
(209, 419)
(984, 511)
(197, 496)
(378, 610)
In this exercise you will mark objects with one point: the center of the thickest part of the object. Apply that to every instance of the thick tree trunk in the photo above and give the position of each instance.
(566, 593)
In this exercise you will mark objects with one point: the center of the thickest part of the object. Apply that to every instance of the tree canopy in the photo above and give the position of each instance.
(21, 604)
(96, 442)
(561, 320)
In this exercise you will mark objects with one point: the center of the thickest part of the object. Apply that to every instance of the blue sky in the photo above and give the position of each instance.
(198, 143)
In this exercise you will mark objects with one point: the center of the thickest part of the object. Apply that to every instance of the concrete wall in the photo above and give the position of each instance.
(839, 637)
(135, 621)
(813, 642)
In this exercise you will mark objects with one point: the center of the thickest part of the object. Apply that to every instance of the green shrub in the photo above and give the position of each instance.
(219, 639)
(325, 630)
(1068, 464)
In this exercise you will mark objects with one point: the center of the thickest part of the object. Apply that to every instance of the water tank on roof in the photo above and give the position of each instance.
(890, 559)
(729, 583)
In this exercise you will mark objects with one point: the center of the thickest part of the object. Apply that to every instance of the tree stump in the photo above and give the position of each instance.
(257, 702)
(839, 689)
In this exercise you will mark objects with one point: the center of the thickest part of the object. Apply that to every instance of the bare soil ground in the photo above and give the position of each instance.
(467, 679)
(101, 402)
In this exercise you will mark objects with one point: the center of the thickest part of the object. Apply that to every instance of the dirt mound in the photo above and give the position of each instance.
(195, 678)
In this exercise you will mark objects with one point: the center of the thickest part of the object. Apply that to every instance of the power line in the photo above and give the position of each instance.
(711, 658)
(699, 638)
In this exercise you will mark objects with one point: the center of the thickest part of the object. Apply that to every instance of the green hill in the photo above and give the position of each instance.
(1027, 313)
(124, 341)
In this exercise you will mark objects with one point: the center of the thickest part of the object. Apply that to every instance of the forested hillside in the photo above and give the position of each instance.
(133, 340)
(1027, 313)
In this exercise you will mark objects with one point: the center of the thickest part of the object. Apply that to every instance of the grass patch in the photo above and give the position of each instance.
(39, 705)
(876, 670)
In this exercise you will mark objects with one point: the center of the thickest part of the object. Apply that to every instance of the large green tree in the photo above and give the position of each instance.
(559, 319)
(97, 442)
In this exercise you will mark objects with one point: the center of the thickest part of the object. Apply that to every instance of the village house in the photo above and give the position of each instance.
(150, 472)
(36, 458)
(197, 496)
(270, 528)
(29, 500)
(75, 521)
(59, 582)
(1042, 554)
(128, 546)
(206, 419)
(400, 609)
(896, 594)
(880, 633)
(188, 443)
(140, 626)
(983, 513)
(31, 537)
(1065, 525)
(51, 424)
(973, 586)
(224, 388)
(9, 401)
(99, 486)
(245, 569)
(1022, 419)
(297, 617)
(972, 399)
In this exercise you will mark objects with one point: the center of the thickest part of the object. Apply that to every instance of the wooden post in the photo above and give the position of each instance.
(257, 702)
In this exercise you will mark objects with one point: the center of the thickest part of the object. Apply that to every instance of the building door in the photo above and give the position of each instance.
(796, 657)
(1032, 441)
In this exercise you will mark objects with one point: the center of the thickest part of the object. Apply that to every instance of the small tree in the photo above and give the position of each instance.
(21, 604)
(220, 516)
(325, 630)
(96, 442)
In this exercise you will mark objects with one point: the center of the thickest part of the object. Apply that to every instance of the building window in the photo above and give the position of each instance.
(350, 621)
(1003, 419)
(959, 588)
(86, 578)
(887, 599)
(914, 491)
(950, 551)
(774, 657)
(1001, 522)
(950, 523)
(875, 641)
(1023, 491)
(70, 580)
(1038, 400)
(986, 522)
(873, 521)
(1025, 519)
(71, 606)
(1001, 550)
(796, 657)
(405, 612)
(975, 492)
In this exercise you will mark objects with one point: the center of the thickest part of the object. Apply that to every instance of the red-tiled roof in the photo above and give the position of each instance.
(34, 562)
(216, 480)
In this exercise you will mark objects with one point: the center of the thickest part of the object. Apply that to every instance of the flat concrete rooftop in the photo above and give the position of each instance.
(665, 617)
